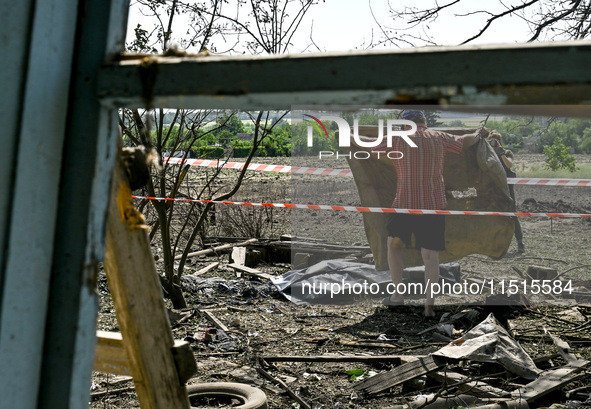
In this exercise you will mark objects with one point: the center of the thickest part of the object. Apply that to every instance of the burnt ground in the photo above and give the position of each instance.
(262, 323)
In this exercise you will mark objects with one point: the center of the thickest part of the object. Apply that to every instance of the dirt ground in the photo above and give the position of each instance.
(262, 324)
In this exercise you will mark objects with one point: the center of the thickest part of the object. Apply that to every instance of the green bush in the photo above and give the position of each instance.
(558, 157)
(210, 152)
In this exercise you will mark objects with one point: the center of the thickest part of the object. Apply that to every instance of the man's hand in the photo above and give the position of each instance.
(500, 151)
(483, 132)
(473, 138)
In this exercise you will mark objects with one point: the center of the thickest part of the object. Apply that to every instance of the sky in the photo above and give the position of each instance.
(338, 23)
(341, 25)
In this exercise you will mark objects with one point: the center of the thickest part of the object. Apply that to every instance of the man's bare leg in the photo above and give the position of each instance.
(396, 264)
(431, 260)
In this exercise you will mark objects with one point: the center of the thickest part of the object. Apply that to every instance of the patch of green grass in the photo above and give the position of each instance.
(539, 171)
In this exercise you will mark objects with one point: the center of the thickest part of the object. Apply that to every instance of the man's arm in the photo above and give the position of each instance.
(470, 139)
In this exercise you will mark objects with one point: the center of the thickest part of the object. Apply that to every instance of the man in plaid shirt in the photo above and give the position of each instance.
(420, 185)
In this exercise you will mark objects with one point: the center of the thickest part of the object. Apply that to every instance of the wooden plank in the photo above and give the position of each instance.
(137, 297)
(250, 271)
(563, 349)
(111, 357)
(495, 75)
(302, 403)
(396, 359)
(216, 249)
(361, 344)
(508, 404)
(317, 246)
(204, 270)
(401, 374)
(209, 315)
(547, 382)
(476, 388)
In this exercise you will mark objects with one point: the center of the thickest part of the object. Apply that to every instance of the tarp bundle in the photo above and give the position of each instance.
(476, 167)
(338, 282)
(490, 342)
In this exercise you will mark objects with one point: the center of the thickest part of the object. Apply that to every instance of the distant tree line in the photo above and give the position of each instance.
(530, 133)
(224, 136)
(539, 132)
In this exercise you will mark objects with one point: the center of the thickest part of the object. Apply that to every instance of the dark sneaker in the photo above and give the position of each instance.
(520, 247)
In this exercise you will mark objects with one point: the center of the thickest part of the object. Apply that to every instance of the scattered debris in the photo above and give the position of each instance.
(394, 359)
(549, 381)
(209, 315)
(401, 374)
(311, 348)
(490, 342)
(213, 250)
(303, 404)
(251, 271)
(237, 290)
(218, 340)
(205, 269)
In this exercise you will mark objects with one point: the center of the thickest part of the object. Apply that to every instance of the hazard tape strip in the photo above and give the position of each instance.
(261, 167)
(374, 209)
(347, 172)
(549, 182)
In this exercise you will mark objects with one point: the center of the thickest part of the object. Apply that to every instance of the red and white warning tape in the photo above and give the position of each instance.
(347, 172)
(549, 182)
(261, 167)
(375, 209)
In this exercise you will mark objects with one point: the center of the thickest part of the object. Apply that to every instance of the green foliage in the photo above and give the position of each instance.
(457, 123)
(558, 157)
(355, 373)
(433, 119)
(141, 43)
(572, 131)
(242, 149)
(585, 145)
(210, 152)
(181, 139)
(229, 125)
(299, 140)
(583, 171)
(225, 137)
(516, 131)
(367, 118)
(286, 139)
(279, 142)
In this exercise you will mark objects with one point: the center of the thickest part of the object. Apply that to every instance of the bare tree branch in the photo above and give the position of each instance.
(270, 32)
(433, 12)
(168, 32)
(498, 16)
(561, 19)
(554, 19)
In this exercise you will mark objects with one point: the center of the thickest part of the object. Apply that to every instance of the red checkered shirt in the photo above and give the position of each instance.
(420, 182)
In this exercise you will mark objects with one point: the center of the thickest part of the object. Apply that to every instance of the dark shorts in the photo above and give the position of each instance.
(429, 229)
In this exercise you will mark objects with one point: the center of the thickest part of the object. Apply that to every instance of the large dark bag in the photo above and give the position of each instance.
(475, 167)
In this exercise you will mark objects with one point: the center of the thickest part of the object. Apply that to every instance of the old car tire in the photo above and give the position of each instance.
(252, 397)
